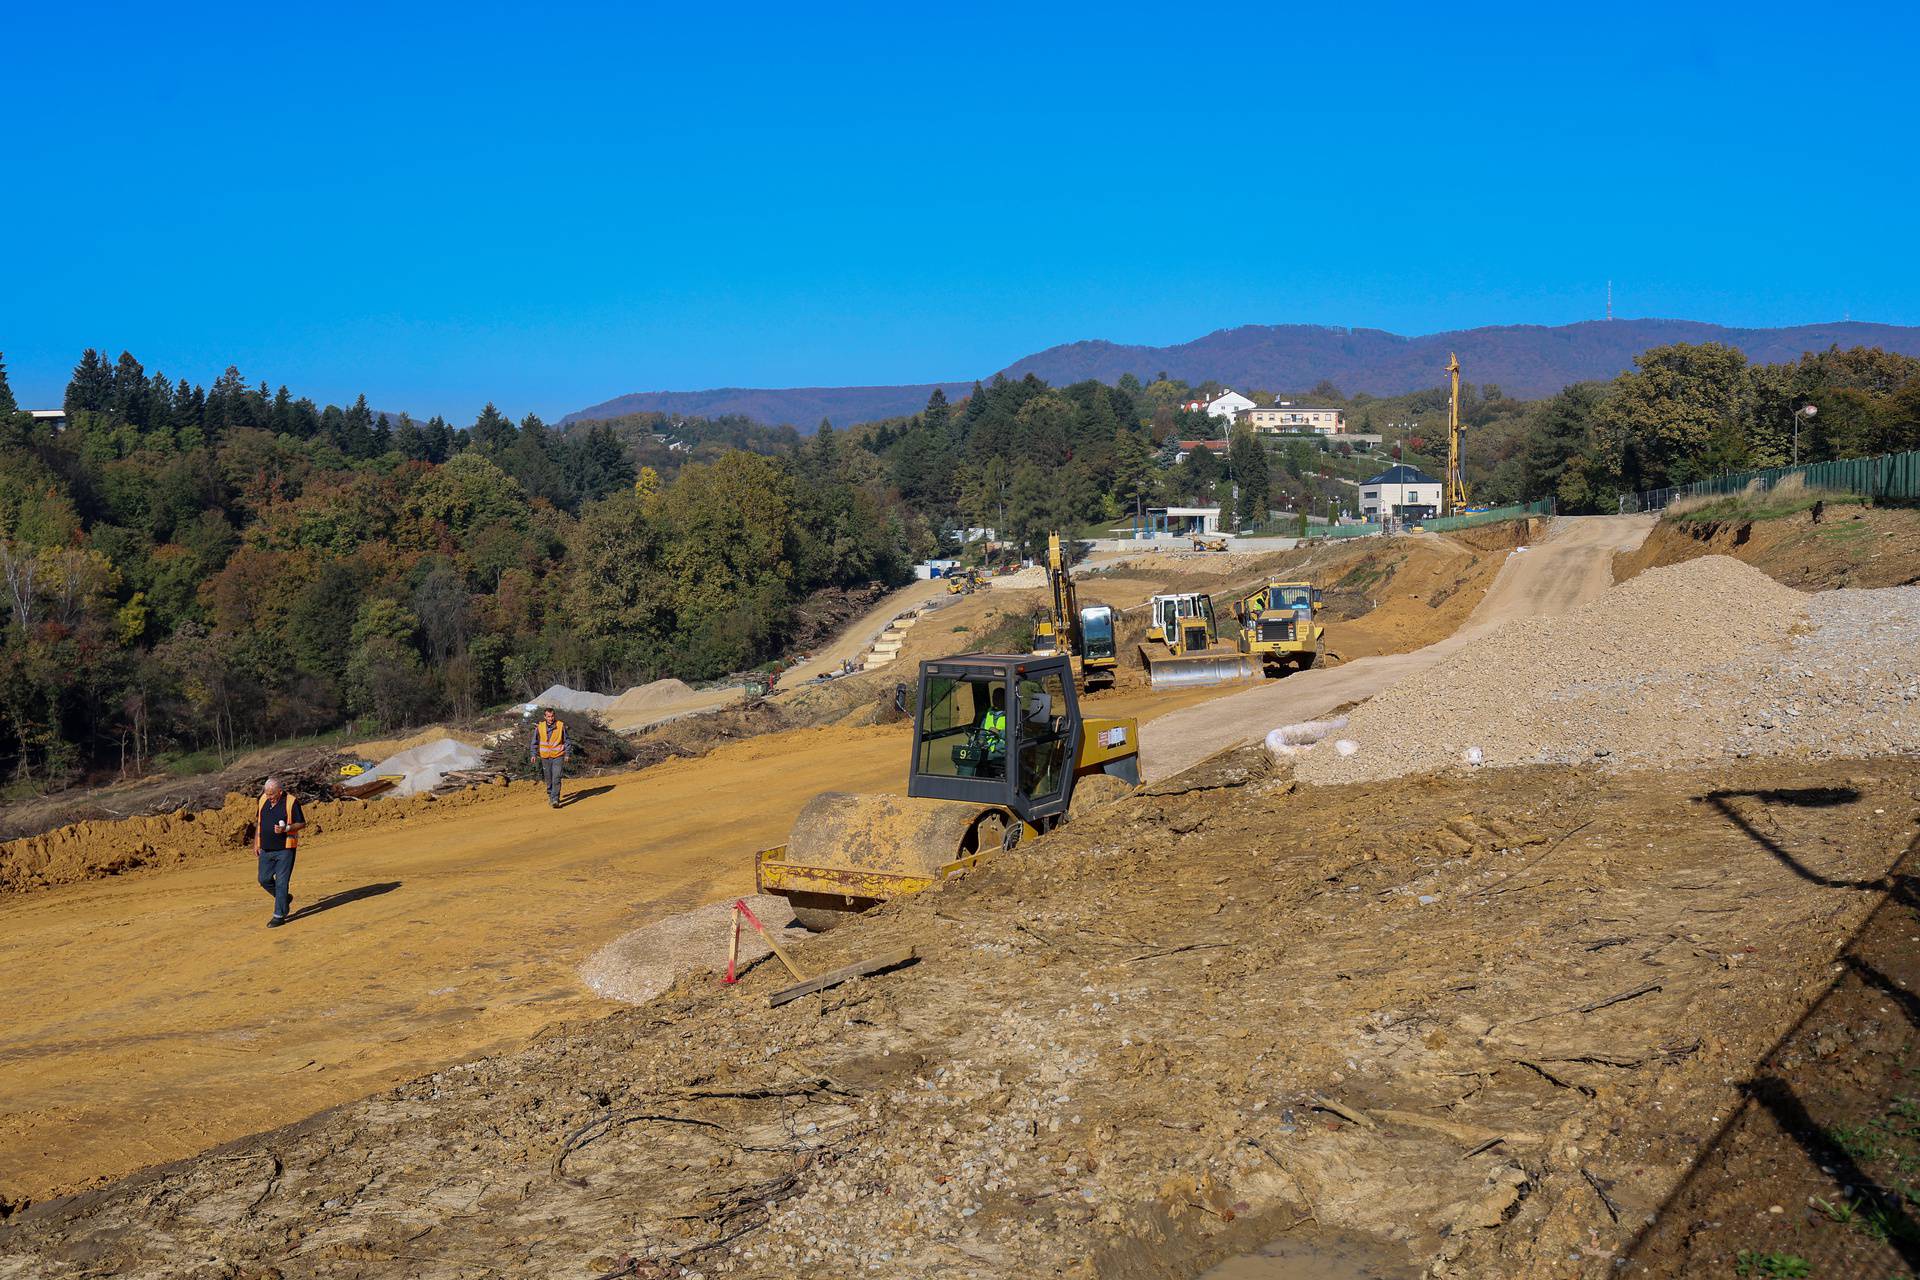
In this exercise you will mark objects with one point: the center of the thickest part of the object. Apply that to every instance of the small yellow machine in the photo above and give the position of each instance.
(1209, 544)
(1277, 626)
(1184, 624)
(965, 582)
(999, 749)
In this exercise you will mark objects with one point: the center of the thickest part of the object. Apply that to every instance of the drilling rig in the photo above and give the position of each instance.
(1455, 498)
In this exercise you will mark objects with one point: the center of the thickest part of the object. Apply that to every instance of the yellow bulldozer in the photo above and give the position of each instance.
(1203, 543)
(1277, 626)
(999, 751)
(1183, 644)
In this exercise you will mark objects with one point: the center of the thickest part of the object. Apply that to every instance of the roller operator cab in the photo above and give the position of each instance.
(999, 745)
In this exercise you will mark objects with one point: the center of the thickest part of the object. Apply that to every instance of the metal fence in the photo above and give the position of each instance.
(1891, 476)
(1538, 507)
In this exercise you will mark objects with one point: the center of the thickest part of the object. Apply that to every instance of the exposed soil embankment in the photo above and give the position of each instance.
(1848, 546)
(94, 850)
(1487, 1023)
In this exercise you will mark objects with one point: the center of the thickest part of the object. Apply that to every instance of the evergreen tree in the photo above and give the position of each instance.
(409, 441)
(382, 437)
(1248, 463)
(492, 430)
(7, 404)
(439, 439)
(189, 405)
(937, 412)
(356, 430)
(91, 388)
(280, 417)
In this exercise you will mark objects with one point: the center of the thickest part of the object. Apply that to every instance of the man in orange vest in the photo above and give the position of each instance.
(549, 751)
(276, 834)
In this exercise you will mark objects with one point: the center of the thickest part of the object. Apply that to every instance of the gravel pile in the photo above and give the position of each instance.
(1706, 660)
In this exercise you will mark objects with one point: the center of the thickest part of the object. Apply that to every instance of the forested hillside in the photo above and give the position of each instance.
(189, 568)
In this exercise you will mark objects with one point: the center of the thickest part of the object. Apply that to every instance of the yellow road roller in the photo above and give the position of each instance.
(999, 751)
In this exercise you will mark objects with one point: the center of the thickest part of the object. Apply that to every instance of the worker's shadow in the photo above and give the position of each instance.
(577, 796)
(342, 898)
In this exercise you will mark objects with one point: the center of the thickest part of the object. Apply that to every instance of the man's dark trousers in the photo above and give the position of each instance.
(276, 877)
(550, 772)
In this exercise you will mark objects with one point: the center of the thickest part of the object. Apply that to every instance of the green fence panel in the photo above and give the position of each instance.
(1893, 476)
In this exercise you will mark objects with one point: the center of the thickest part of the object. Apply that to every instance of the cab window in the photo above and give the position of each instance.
(963, 733)
(1096, 632)
(1044, 740)
(1295, 598)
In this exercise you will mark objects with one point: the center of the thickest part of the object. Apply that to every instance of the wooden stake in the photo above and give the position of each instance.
(785, 959)
(838, 976)
(733, 946)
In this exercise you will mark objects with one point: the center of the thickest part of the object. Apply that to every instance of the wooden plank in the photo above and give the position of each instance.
(891, 960)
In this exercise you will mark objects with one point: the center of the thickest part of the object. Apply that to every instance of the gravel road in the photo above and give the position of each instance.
(1574, 565)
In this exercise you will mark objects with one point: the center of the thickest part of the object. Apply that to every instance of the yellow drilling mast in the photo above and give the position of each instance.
(1456, 494)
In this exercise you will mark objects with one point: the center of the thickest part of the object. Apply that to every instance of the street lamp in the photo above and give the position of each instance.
(1805, 411)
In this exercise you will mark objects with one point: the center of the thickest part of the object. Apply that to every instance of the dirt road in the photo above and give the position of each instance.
(153, 1016)
(858, 636)
(1573, 565)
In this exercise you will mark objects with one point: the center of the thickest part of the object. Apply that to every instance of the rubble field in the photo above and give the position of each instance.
(1482, 1022)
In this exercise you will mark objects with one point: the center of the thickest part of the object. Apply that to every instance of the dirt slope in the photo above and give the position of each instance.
(1847, 547)
(152, 1015)
(1195, 1022)
(1573, 565)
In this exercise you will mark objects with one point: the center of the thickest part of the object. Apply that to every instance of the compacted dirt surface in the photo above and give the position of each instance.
(1486, 1023)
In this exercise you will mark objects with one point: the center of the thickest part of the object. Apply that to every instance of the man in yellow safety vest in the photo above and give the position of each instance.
(993, 734)
(549, 751)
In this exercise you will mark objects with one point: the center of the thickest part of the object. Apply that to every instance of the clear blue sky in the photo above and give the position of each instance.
(547, 209)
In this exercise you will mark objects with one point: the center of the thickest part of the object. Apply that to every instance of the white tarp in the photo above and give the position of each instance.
(561, 698)
(421, 768)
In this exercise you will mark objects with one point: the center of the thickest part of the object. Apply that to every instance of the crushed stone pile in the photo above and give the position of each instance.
(420, 769)
(561, 698)
(1703, 661)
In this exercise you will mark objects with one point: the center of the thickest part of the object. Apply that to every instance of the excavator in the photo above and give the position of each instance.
(1277, 626)
(1184, 624)
(1083, 633)
(999, 752)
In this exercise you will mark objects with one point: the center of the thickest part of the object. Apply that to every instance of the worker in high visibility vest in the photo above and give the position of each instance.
(549, 751)
(993, 734)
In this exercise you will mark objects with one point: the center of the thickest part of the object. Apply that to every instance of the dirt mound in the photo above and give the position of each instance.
(95, 850)
(637, 966)
(382, 748)
(1699, 661)
(646, 697)
(1846, 547)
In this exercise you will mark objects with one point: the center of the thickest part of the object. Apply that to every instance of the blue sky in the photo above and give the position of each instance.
(445, 206)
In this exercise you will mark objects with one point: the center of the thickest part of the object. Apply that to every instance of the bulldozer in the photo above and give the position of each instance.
(1083, 633)
(1277, 626)
(999, 752)
(1201, 543)
(1184, 624)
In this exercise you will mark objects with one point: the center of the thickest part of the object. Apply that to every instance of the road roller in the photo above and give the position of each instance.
(999, 751)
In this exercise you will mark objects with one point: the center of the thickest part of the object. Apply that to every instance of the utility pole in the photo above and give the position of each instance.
(1455, 497)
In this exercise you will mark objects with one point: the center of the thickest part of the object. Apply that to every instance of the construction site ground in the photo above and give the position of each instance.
(1484, 1020)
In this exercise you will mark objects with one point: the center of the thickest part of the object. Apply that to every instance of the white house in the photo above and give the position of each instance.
(1285, 415)
(1229, 404)
(1403, 491)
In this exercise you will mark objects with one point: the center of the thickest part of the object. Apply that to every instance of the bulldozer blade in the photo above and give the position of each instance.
(1169, 672)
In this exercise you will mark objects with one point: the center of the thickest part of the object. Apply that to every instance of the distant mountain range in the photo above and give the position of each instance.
(1524, 360)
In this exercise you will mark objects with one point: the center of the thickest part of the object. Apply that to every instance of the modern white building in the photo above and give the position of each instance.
(1401, 491)
(1180, 522)
(1285, 415)
(1228, 405)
